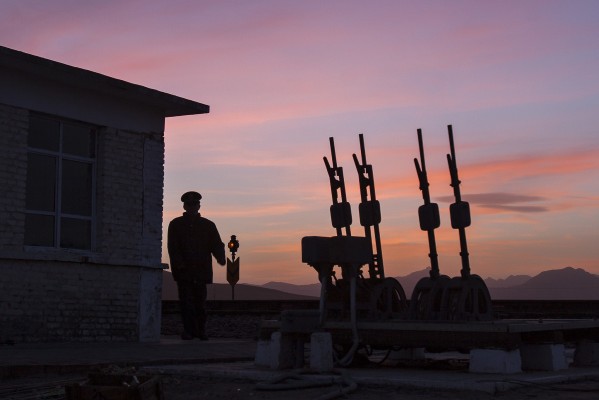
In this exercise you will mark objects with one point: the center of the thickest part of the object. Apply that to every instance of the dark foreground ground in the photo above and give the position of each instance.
(188, 387)
(210, 389)
(51, 387)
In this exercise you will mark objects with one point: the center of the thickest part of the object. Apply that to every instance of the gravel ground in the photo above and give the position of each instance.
(228, 326)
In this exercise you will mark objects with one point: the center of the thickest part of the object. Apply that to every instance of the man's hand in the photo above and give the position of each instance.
(221, 261)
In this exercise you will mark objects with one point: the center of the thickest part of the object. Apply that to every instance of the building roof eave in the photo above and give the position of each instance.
(169, 105)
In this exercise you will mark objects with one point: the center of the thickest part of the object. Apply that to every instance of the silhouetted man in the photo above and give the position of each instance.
(192, 241)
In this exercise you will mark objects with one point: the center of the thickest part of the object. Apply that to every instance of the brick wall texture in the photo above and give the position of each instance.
(57, 295)
(129, 192)
(13, 175)
(65, 301)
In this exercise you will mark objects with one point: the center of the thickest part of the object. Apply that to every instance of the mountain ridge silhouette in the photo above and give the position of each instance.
(567, 283)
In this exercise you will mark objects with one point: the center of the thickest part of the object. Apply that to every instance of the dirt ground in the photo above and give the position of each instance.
(51, 387)
(188, 389)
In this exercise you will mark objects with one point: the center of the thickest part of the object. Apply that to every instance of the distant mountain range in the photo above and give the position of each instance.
(222, 291)
(561, 284)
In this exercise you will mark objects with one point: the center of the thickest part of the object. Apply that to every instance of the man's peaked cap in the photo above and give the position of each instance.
(191, 197)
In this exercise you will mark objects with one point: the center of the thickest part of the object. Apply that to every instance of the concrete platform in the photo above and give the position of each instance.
(39, 358)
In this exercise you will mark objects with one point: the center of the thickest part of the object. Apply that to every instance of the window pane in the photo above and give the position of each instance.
(76, 188)
(39, 230)
(41, 182)
(75, 234)
(44, 133)
(78, 140)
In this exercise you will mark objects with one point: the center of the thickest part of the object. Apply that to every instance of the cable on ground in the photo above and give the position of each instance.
(304, 379)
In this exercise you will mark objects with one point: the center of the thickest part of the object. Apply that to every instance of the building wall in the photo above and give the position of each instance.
(65, 301)
(130, 188)
(111, 293)
(153, 192)
(13, 175)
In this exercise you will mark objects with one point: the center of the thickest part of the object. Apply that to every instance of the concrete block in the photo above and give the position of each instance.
(586, 354)
(416, 353)
(283, 351)
(150, 305)
(495, 361)
(321, 351)
(543, 357)
(275, 350)
(263, 354)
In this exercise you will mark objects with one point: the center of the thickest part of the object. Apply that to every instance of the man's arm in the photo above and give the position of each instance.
(219, 254)
(218, 248)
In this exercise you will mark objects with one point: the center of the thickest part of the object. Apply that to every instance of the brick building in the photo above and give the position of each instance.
(81, 171)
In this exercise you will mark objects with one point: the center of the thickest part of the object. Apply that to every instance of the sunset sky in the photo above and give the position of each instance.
(518, 80)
